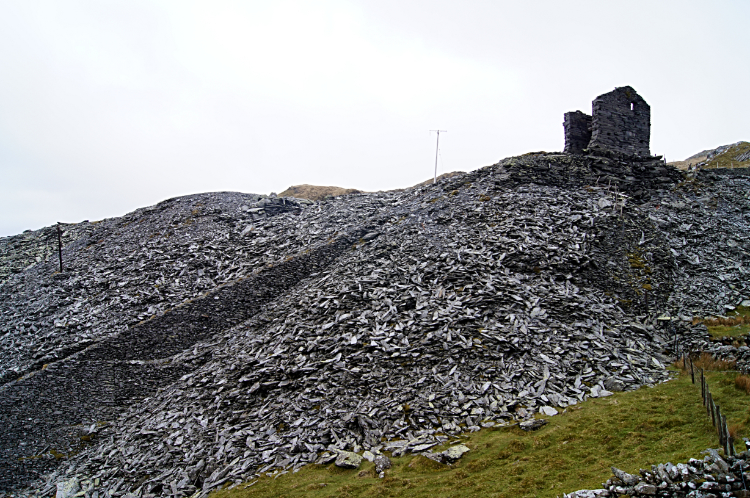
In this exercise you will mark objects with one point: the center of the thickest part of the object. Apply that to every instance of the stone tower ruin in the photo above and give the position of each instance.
(620, 122)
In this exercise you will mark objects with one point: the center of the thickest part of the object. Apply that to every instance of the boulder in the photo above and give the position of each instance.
(348, 460)
(453, 453)
(533, 424)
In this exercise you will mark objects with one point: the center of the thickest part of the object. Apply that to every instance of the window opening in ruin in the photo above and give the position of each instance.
(631, 106)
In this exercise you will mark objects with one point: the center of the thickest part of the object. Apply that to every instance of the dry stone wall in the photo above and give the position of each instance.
(711, 476)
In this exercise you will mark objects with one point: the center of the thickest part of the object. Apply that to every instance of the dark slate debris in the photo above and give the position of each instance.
(212, 338)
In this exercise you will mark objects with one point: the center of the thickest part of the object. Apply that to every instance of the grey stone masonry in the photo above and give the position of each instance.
(577, 132)
(620, 123)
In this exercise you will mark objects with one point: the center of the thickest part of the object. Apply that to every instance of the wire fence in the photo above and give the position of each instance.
(718, 419)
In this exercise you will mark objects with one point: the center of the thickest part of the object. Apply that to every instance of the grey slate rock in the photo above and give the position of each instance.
(348, 460)
(627, 479)
(68, 488)
(382, 463)
(548, 411)
(533, 424)
(643, 488)
(454, 453)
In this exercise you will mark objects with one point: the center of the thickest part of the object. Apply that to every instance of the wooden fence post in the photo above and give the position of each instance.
(729, 451)
(712, 409)
(692, 372)
(731, 445)
(726, 441)
(719, 425)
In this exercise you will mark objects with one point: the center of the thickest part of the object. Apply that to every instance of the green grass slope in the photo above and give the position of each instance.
(574, 451)
(735, 156)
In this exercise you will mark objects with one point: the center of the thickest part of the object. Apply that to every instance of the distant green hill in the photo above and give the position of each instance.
(735, 155)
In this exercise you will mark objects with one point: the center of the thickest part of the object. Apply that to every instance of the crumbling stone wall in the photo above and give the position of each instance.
(577, 132)
(620, 122)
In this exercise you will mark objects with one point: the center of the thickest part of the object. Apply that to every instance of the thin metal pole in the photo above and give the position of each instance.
(437, 148)
(59, 245)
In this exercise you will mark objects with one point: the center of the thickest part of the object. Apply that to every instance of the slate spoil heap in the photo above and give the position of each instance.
(385, 322)
(23, 251)
(120, 271)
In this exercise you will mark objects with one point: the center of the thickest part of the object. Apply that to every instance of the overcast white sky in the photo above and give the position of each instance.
(106, 106)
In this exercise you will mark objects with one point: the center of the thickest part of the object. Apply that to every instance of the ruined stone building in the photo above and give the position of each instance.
(620, 121)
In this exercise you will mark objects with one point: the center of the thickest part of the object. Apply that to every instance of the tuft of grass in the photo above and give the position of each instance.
(742, 382)
(574, 451)
(708, 362)
(729, 332)
(727, 321)
(424, 465)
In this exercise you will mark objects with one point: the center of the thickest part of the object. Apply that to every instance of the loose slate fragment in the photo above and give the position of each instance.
(627, 479)
(548, 410)
(68, 488)
(533, 424)
(382, 463)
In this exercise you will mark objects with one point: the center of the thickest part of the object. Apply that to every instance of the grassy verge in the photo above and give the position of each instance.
(735, 325)
(574, 451)
(730, 331)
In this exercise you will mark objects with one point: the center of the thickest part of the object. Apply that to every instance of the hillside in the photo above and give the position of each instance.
(319, 193)
(210, 338)
(735, 155)
(315, 192)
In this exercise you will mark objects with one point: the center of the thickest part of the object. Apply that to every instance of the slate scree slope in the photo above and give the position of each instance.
(213, 337)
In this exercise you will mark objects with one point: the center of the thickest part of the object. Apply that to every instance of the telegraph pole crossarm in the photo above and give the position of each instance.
(437, 148)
